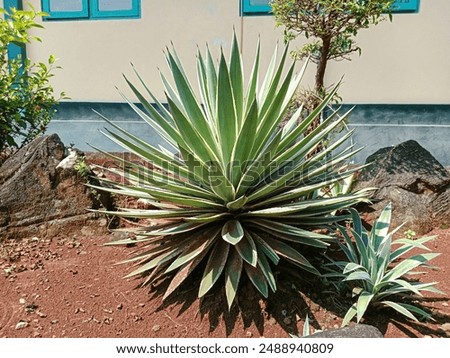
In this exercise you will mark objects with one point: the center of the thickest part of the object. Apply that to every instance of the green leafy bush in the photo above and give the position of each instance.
(330, 26)
(374, 268)
(239, 197)
(26, 96)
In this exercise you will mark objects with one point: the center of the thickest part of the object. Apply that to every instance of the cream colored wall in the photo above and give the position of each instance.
(403, 61)
(94, 54)
(406, 61)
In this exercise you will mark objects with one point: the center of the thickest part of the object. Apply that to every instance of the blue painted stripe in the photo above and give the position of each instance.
(7, 4)
(377, 126)
(14, 51)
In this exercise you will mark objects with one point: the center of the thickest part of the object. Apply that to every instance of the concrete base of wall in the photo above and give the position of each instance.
(78, 124)
(376, 126)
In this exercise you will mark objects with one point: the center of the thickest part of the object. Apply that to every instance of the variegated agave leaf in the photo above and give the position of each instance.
(372, 265)
(241, 194)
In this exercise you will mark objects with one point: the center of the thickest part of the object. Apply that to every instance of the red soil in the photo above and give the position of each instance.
(69, 287)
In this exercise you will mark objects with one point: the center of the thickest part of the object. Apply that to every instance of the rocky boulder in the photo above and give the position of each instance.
(39, 199)
(416, 184)
(356, 331)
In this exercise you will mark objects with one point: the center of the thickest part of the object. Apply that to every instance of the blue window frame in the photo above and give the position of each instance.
(91, 9)
(72, 9)
(405, 6)
(115, 8)
(262, 7)
(255, 7)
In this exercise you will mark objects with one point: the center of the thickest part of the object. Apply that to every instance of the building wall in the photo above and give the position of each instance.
(95, 53)
(403, 62)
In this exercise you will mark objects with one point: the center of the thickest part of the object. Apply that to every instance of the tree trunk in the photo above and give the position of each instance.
(322, 65)
(319, 88)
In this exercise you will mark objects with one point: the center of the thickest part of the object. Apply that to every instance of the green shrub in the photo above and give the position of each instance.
(378, 278)
(330, 27)
(239, 197)
(26, 96)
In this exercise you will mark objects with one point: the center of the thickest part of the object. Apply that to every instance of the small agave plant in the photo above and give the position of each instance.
(380, 273)
(239, 195)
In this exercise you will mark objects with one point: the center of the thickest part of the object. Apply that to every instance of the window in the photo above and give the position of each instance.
(405, 6)
(91, 9)
(255, 7)
(262, 7)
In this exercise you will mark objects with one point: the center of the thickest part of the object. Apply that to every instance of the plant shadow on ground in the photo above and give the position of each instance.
(298, 294)
(408, 327)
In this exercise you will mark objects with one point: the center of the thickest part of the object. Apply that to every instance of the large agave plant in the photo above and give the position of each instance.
(238, 196)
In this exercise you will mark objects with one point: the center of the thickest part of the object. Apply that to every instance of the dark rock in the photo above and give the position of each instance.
(408, 166)
(38, 199)
(409, 177)
(356, 331)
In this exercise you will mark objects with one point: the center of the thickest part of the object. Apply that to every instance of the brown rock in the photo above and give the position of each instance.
(38, 198)
(410, 178)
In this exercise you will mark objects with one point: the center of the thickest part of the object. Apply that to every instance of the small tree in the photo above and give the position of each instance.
(26, 96)
(331, 25)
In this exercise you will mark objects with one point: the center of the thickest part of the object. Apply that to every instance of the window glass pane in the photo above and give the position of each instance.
(256, 7)
(259, 2)
(115, 5)
(66, 5)
(405, 5)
